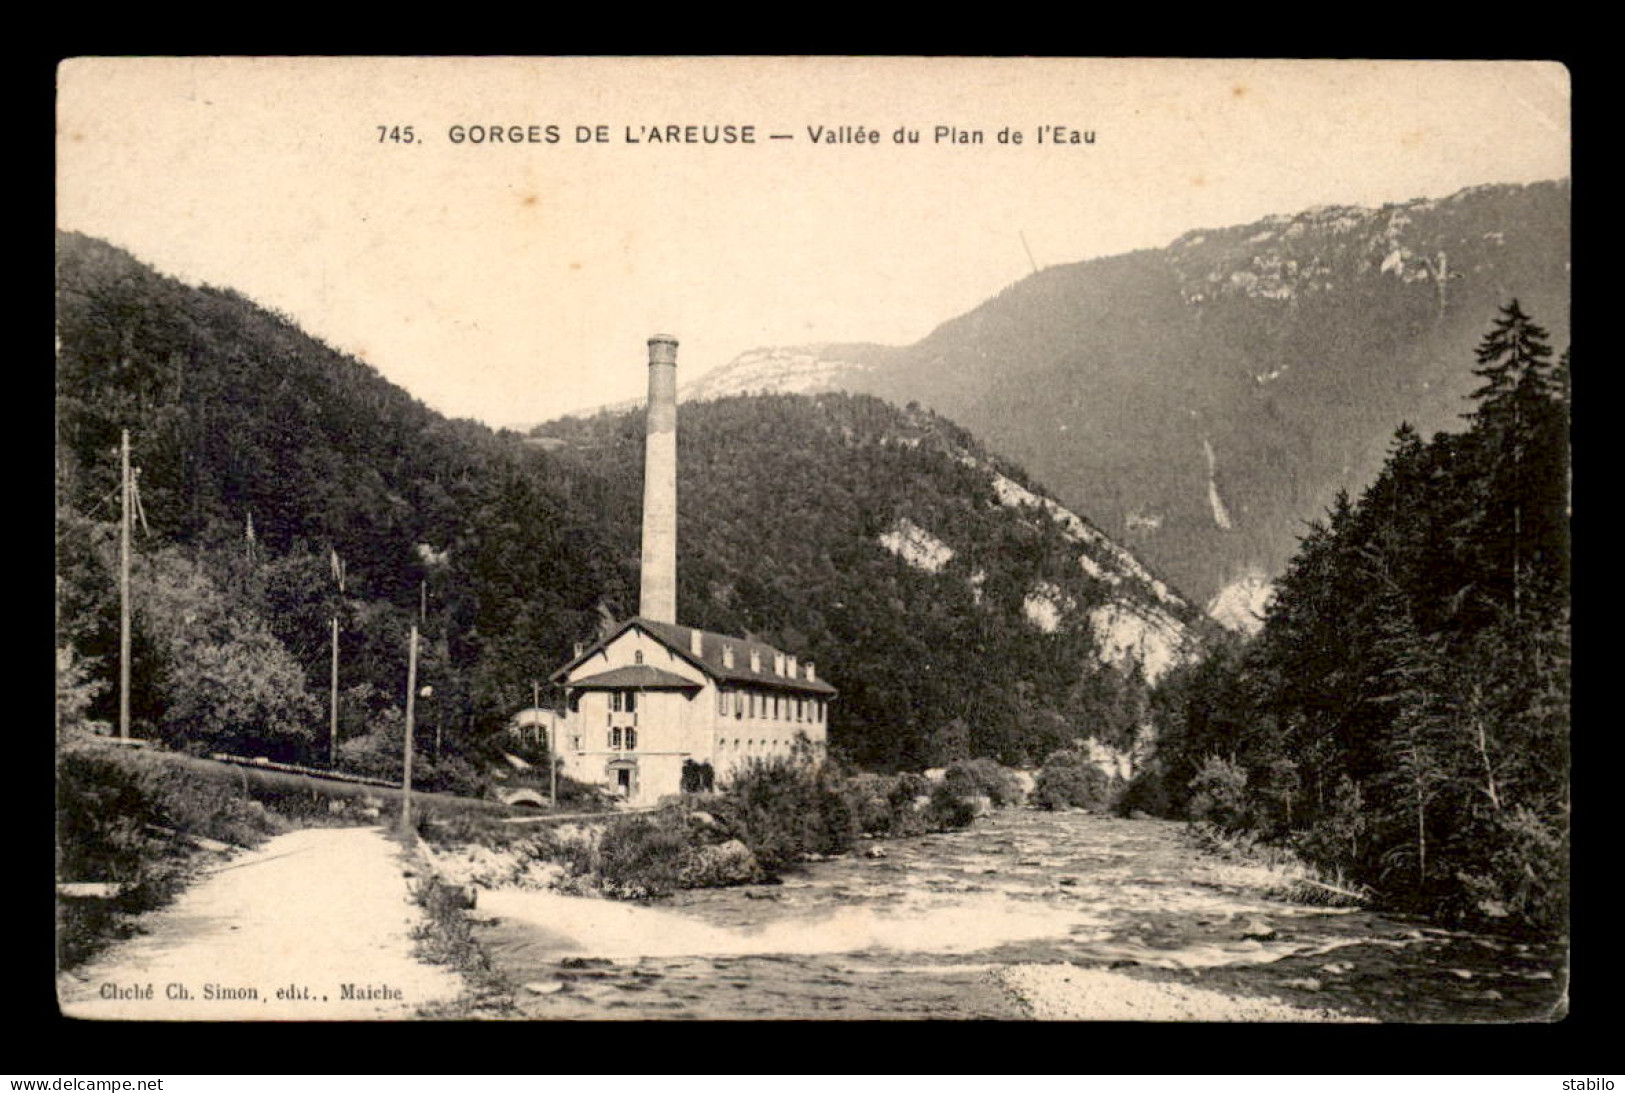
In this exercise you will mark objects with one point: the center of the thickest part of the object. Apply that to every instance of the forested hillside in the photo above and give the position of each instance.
(284, 484)
(1403, 717)
(876, 541)
(1201, 401)
(241, 426)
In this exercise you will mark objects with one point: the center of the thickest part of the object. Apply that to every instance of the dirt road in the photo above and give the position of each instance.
(314, 925)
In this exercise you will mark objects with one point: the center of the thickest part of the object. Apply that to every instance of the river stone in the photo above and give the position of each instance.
(726, 863)
(545, 988)
(875, 852)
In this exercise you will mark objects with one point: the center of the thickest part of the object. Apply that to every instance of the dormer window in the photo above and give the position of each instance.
(727, 656)
(755, 660)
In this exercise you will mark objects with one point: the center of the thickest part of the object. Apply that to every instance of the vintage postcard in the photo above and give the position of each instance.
(812, 538)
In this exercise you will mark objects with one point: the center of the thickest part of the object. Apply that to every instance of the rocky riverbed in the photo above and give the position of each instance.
(1027, 915)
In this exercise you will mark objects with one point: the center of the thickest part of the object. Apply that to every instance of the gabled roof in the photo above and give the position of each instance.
(678, 638)
(641, 676)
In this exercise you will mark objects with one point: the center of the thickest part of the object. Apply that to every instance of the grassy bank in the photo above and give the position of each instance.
(447, 937)
(1280, 872)
(137, 824)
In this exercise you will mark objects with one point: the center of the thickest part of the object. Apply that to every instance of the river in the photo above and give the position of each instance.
(993, 922)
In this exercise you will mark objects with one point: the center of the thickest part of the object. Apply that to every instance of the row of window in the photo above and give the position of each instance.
(737, 743)
(774, 707)
(626, 739)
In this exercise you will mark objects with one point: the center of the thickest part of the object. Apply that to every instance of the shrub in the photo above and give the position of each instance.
(783, 810)
(1522, 874)
(1219, 794)
(76, 690)
(1338, 835)
(868, 799)
(642, 856)
(908, 786)
(1069, 779)
(985, 778)
(949, 808)
(698, 777)
(1147, 792)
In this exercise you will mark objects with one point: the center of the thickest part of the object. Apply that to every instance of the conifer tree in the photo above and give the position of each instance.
(1520, 421)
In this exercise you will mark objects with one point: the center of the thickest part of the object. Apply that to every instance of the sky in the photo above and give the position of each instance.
(515, 282)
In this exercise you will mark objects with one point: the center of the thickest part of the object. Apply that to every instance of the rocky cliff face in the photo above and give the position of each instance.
(1137, 621)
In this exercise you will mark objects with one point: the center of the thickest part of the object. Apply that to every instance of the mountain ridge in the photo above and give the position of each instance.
(1265, 364)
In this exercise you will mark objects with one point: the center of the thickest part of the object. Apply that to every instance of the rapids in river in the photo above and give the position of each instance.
(923, 927)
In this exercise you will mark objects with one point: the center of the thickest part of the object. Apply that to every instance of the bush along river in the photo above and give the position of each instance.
(1066, 915)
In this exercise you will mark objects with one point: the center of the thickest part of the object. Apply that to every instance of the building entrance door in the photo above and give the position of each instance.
(623, 782)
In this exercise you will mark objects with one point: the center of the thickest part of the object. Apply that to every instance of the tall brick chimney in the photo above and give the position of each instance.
(658, 598)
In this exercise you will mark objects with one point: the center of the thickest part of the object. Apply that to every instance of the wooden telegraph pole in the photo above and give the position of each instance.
(124, 589)
(411, 701)
(333, 712)
(337, 565)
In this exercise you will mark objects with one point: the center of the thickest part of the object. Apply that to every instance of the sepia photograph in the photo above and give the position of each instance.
(812, 539)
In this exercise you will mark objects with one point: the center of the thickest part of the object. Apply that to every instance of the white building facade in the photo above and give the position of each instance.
(654, 696)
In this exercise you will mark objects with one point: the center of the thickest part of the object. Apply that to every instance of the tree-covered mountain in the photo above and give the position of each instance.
(1205, 400)
(284, 484)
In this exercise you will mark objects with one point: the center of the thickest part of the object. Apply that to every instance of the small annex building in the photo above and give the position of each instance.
(652, 696)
